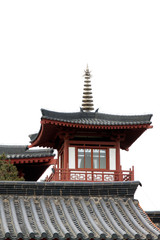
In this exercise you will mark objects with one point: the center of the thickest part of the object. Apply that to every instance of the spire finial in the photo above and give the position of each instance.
(87, 69)
(87, 72)
(87, 101)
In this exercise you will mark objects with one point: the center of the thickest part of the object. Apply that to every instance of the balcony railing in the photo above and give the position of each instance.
(77, 175)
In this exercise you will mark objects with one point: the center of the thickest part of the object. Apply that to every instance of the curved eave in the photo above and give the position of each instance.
(41, 138)
(91, 126)
(80, 117)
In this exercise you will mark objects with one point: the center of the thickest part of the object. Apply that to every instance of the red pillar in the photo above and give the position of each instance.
(132, 174)
(118, 155)
(65, 166)
(65, 154)
(120, 174)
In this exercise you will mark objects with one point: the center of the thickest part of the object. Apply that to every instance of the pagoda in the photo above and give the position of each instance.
(88, 196)
(89, 142)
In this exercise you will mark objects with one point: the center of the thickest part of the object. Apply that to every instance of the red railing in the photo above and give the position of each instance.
(77, 175)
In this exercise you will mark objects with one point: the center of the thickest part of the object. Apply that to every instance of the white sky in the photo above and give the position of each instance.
(44, 49)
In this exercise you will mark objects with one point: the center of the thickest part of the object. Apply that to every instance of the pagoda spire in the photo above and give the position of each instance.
(87, 100)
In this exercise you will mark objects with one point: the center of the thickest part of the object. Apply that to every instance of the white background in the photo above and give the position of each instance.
(44, 49)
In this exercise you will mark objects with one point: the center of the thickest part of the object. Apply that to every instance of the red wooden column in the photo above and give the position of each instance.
(118, 168)
(65, 166)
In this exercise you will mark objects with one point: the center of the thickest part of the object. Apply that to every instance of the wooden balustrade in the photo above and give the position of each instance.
(100, 175)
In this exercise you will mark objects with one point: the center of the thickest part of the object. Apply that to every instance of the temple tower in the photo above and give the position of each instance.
(89, 142)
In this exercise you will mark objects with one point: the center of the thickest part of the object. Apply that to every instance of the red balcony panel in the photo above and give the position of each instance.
(77, 175)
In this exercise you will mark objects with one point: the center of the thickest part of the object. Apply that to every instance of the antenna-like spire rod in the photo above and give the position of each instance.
(87, 100)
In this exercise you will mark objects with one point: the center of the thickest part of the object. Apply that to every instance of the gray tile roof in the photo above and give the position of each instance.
(74, 216)
(22, 151)
(95, 118)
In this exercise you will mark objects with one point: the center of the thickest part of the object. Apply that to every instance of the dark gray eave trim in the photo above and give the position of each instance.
(118, 189)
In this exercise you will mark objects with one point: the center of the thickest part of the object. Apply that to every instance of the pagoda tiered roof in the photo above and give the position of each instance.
(32, 210)
(130, 126)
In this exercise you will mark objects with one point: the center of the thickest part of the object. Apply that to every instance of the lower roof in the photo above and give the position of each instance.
(22, 151)
(30, 210)
(30, 163)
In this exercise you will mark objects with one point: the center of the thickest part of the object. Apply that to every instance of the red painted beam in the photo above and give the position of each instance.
(47, 160)
(78, 125)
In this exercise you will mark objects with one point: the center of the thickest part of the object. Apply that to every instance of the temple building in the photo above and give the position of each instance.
(88, 194)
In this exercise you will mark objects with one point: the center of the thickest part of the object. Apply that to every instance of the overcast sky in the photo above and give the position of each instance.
(44, 49)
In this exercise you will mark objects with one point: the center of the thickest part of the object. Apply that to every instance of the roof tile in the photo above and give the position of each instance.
(94, 118)
(22, 151)
(36, 213)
